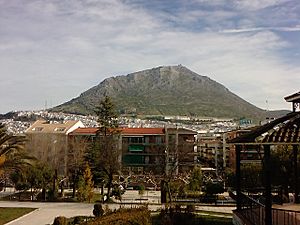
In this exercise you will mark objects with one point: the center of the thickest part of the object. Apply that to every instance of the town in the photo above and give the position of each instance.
(178, 162)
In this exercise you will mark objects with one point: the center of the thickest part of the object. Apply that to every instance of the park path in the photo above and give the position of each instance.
(46, 211)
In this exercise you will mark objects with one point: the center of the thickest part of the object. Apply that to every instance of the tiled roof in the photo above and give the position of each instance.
(284, 130)
(42, 126)
(85, 130)
(124, 131)
(293, 97)
(145, 131)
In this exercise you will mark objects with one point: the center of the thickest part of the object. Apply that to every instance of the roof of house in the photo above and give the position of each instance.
(142, 131)
(284, 130)
(85, 131)
(124, 131)
(180, 130)
(293, 98)
(42, 126)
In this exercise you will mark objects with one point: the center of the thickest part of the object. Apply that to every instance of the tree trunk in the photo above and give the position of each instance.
(169, 191)
(109, 184)
(73, 189)
(44, 194)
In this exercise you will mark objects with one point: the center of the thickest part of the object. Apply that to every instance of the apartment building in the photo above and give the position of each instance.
(151, 150)
(249, 153)
(48, 141)
(213, 151)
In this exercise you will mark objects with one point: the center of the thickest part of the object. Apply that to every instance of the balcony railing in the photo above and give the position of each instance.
(253, 213)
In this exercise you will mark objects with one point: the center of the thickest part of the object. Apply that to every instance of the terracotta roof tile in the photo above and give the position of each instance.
(125, 131)
(145, 131)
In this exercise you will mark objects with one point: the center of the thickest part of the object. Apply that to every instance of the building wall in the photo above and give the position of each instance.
(213, 152)
(249, 154)
(48, 142)
(154, 151)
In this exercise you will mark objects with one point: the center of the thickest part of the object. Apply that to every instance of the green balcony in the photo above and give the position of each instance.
(136, 148)
(133, 159)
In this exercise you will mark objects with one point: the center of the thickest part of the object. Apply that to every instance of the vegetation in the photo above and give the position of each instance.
(98, 210)
(36, 177)
(137, 216)
(195, 181)
(9, 214)
(178, 215)
(60, 220)
(85, 186)
(104, 155)
(78, 146)
(12, 154)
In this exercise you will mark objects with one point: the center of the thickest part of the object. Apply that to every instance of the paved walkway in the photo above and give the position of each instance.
(46, 212)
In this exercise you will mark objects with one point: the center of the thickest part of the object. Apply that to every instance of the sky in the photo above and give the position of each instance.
(53, 50)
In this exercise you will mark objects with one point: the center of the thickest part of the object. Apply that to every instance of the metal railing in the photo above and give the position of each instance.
(252, 210)
(254, 213)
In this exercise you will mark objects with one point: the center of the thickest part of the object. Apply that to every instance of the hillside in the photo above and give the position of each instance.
(167, 90)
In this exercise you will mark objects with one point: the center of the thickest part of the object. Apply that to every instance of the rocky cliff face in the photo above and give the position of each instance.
(166, 90)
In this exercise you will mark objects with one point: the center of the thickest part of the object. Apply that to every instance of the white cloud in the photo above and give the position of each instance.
(257, 4)
(254, 29)
(54, 50)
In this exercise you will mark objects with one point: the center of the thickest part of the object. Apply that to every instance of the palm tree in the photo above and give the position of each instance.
(12, 154)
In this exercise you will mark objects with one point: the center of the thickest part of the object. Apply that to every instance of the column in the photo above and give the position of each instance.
(238, 176)
(295, 165)
(267, 179)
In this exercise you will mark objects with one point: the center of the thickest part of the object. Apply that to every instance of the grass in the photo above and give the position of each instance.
(197, 219)
(9, 214)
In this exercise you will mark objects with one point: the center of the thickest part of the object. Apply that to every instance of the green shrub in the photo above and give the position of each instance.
(60, 220)
(98, 210)
(137, 216)
(190, 208)
(78, 219)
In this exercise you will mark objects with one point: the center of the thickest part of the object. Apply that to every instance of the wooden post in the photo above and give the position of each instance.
(267, 178)
(295, 159)
(238, 177)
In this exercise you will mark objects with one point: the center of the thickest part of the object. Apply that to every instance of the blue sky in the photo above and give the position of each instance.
(53, 50)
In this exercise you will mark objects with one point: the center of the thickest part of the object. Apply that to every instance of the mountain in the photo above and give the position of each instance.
(165, 90)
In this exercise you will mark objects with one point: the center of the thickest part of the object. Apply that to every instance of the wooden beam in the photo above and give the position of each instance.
(267, 178)
(295, 164)
(238, 177)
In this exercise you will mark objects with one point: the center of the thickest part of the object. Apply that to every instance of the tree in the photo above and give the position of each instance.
(282, 168)
(212, 189)
(78, 147)
(104, 155)
(195, 180)
(12, 154)
(252, 177)
(86, 185)
(39, 177)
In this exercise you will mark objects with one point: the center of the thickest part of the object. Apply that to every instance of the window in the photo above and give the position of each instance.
(38, 128)
(136, 140)
(59, 128)
(158, 140)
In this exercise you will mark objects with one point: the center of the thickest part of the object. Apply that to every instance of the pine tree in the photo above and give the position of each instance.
(104, 155)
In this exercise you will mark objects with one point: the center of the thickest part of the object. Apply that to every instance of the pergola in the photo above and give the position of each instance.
(282, 131)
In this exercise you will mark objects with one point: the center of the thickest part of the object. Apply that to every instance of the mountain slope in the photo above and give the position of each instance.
(168, 90)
